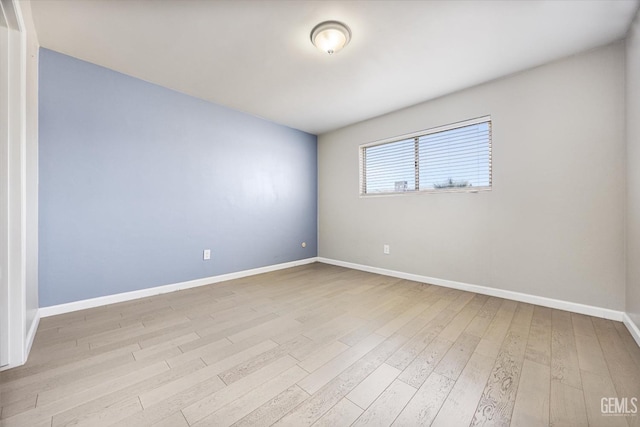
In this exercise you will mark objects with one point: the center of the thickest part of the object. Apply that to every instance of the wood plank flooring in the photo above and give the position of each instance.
(324, 346)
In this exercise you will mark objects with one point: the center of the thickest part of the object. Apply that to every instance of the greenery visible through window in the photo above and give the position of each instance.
(456, 157)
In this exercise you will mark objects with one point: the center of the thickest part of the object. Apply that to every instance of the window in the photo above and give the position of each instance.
(456, 157)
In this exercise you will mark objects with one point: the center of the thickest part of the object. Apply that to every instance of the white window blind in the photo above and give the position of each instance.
(450, 158)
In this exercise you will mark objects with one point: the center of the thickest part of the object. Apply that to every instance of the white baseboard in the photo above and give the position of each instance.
(31, 335)
(485, 290)
(634, 330)
(142, 293)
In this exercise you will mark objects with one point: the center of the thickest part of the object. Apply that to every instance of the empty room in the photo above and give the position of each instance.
(327, 213)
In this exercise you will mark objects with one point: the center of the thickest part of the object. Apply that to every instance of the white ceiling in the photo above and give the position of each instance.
(255, 56)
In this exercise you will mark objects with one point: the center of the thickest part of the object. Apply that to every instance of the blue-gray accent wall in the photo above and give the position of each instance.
(136, 180)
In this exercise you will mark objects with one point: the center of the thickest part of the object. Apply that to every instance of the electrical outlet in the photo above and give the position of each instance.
(206, 254)
(386, 250)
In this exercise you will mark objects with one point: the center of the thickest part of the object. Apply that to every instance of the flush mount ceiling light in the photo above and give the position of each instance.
(330, 36)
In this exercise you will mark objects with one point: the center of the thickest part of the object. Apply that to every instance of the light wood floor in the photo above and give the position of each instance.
(324, 346)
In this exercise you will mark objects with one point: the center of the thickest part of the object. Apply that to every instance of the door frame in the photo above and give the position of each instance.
(13, 191)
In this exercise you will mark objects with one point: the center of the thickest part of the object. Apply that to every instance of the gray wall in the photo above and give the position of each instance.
(633, 172)
(552, 226)
(136, 180)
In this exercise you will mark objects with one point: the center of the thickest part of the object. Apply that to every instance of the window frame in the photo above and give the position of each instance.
(418, 134)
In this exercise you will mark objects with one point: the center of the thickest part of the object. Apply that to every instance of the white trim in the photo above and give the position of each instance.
(16, 192)
(467, 190)
(5, 314)
(31, 335)
(634, 330)
(142, 293)
(485, 290)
